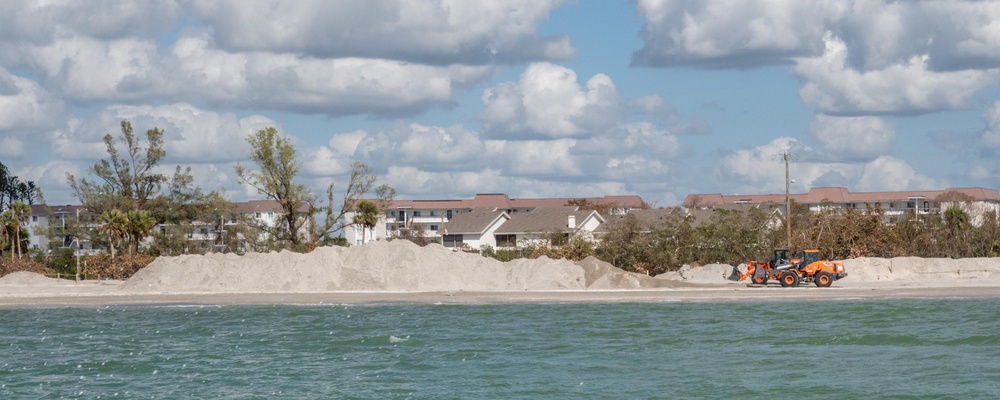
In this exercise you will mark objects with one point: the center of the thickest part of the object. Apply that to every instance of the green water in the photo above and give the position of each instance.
(768, 349)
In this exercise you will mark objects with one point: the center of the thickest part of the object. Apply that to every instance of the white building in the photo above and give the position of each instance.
(403, 217)
(202, 235)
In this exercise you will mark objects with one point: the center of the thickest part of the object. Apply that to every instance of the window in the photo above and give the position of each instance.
(416, 213)
(34, 218)
(453, 241)
(506, 240)
(434, 227)
(433, 213)
(256, 215)
(392, 214)
(448, 214)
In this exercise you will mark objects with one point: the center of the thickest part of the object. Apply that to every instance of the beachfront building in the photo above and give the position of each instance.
(977, 202)
(69, 226)
(405, 218)
(541, 226)
(60, 227)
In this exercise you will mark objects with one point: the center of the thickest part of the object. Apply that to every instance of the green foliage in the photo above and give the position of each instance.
(275, 178)
(127, 180)
(13, 190)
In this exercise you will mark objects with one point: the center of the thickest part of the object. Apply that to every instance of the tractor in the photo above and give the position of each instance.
(809, 266)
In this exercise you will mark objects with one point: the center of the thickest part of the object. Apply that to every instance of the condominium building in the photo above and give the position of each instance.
(977, 202)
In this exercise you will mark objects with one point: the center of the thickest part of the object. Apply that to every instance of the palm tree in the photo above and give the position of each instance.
(114, 226)
(19, 214)
(367, 216)
(5, 229)
(139, 224)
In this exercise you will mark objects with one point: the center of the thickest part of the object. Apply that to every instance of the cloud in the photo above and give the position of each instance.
(990, 138)
(40, 22)
(892, 174)
(27, 110)
(547, 101)
(439, 32)
(832, 87)
(854, 58)
(191, 135)
(853, 138)
(736, 34)
(463, 184)
(761, 170)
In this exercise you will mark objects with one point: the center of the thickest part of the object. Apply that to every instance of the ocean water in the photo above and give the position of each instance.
(862, 349)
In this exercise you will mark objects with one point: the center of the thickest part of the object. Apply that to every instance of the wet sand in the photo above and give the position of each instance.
(92, 294)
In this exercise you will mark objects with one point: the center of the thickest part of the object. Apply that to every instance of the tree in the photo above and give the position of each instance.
(138, 225)
(129, 180)
(278, 168)
(367, 216)
(275, 178)
(18, 215)
(13, 190)
(114, 224)
(361, 182)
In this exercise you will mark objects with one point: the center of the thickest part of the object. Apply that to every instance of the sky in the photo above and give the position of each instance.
(445, 99)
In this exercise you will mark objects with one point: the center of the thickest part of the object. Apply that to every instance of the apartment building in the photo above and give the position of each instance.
(977, 202)
(67, 223)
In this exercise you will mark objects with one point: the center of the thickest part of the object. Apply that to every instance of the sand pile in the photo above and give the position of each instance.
(28, 278)
(381, 266)
(913, 269)
(712, 273)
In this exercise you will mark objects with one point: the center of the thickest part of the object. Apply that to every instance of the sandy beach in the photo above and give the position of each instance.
(400, 272)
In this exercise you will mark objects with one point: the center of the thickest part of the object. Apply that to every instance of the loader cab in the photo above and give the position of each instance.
(810, 256)
(779, 258)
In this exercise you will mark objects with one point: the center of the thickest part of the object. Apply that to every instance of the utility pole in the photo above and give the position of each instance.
(788, 205)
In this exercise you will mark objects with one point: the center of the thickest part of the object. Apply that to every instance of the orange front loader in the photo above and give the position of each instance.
(808, 267)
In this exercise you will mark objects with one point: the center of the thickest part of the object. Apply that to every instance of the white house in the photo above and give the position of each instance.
(402, 217)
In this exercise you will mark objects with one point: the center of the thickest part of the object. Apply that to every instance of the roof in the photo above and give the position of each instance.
(504, 202)
(39, 209)
(256, 206)
(839, 195)
(647, 219)
(475, 221)
(544, 219)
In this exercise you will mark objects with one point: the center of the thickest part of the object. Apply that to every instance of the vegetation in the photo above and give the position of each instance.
(734, 236)
(275, 178)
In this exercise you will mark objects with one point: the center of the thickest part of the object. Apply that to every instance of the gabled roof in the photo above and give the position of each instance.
(546, 219)
(476, 221)
(648, 219)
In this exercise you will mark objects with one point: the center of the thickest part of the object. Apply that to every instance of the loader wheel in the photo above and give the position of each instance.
(823, 279)
(760, 280)
(789, 278)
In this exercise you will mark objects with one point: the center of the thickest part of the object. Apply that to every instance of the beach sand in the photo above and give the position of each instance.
(401, 272)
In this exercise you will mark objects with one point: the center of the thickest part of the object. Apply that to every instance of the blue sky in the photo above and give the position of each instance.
(449, 98)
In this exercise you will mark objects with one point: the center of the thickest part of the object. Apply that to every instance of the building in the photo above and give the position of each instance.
(402, 217)
(977, 202)
(68, 223)
(62, 223)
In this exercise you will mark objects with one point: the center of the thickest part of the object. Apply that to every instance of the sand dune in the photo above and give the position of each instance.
(402, 267)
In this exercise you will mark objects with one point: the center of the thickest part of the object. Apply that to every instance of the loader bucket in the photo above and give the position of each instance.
(735, 275)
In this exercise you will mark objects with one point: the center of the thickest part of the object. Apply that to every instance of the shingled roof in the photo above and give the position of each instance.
(475, 221)
(545, 219)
